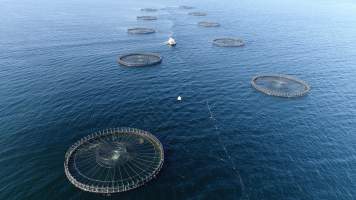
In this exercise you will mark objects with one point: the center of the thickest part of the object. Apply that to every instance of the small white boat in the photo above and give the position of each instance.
(179, 98)
(171, 42)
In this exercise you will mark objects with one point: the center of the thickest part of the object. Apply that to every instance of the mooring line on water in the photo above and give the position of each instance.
(227, 154)
(212, 117)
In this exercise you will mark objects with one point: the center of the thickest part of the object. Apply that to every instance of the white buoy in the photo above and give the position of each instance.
(171, 42)
(179, 98)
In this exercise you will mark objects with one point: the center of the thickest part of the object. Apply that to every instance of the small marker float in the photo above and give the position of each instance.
(171, 42)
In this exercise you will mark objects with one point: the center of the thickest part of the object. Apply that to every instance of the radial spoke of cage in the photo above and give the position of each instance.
(93, 173)
(128, 174)
(129, 166)
(145, 150)
(121, 178)
(113, 177)
(143, 160)
(145, 156)
(136, 174)
(86, 161)
(85, 176)
(153, 153)
(143, 165)
(93, 168)
(107, 174)
(134, 163)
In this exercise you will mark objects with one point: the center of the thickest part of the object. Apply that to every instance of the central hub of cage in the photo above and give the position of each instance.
(279, 83)
(112, 155)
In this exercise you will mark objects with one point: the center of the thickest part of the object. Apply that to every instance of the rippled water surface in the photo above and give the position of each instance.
(59, 81)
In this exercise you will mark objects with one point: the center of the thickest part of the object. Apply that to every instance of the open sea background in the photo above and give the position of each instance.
(59, 81)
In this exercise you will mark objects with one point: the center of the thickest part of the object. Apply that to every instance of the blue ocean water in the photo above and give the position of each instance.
(59, 81)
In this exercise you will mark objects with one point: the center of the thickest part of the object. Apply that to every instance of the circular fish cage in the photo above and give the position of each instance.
(146, 18)
(140, 59)
(115, 160)
(198, 14)
(140, 31)
(149, 9)
(186, 7)
(228, 42)
(280, 85)
(208, 24)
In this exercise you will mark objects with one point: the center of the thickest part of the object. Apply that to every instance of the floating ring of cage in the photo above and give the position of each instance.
(114, 160)
(186, 7)
(140, 59)
(141, 30)
(149, 9)
(197, 13)
(228, 42)
(208, 24)
(146, 17)
(280, 85)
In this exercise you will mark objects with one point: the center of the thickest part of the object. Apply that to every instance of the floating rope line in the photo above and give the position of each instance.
(227, 154)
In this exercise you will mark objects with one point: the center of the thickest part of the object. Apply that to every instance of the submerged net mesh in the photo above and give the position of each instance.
(147, 18)
(208, 24)
(114, 160)
(228, 42)
(197, 14)
(140, 30)
(280, 85)
(149, 9)
(140, 59)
